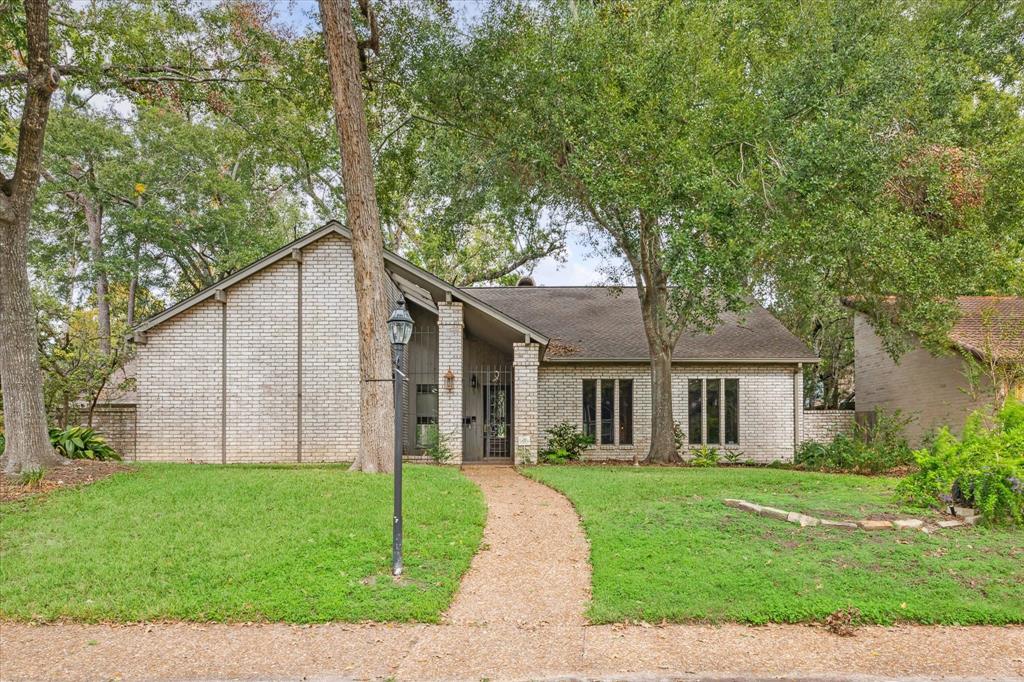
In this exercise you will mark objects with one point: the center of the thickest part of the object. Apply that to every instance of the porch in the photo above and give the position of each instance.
(472, 387)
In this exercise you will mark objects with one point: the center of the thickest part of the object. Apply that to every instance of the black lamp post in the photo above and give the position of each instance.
(400, 331)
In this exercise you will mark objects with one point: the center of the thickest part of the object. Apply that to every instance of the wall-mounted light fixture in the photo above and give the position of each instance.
(449, 380)
(472, 381)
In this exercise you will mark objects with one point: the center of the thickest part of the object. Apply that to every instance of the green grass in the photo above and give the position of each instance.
(664, 547)
(238, 543)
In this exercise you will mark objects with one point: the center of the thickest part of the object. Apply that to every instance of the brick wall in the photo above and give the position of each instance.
(181, 397)
(115, 423)
(824, 425)
(767, 429)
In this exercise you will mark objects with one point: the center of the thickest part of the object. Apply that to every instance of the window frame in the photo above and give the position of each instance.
(606, 399)
(625, 438)
(589, 428)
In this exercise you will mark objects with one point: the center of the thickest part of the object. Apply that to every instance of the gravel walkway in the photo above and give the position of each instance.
(532, 568)
(519, 615)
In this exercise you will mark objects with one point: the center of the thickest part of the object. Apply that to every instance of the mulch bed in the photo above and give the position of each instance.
(76, 472)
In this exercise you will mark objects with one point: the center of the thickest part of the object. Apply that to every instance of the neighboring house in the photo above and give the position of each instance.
(933, 390)
(263, 367)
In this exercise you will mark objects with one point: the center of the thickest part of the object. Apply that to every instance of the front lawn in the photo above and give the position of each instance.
(664, 547)
(238, 543)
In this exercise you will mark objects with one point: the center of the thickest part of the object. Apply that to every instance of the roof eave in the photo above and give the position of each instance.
(691, 361)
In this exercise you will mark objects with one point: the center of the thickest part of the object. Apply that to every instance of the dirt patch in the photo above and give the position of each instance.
(75, 473)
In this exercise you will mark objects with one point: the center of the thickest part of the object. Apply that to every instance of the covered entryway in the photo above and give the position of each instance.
(488, 398)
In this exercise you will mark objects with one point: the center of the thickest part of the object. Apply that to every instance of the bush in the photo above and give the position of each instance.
(984, 469)
(436, 446)
(704, 456)
(81, 442)
(867, 449)
(566, 443)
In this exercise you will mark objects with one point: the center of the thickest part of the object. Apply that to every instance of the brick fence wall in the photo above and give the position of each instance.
(824, 425)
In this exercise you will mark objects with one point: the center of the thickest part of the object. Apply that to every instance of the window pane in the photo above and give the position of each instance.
(607, 411)
(426, 414)
(714, 411)
(732, 411)
(625, 411)
(695, 411)
(590, 408)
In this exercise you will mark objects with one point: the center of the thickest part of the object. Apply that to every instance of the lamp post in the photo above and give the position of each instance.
(400, 331)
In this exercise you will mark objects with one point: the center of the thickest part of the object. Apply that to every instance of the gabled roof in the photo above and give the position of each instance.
(990, 324)
(604, 324)
(411, 277)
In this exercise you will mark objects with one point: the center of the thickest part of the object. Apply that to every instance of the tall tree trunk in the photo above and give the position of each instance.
(661, 341)
(376, 406)
(94, 221)
(28, 444)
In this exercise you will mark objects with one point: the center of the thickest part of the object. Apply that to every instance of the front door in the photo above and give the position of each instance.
(497, 429)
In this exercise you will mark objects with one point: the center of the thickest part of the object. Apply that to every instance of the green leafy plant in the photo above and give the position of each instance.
(984, 469)
(81, 442)
(733, 456)
(33, 477)
(566, 443)
(870, 448)
(705, 456)
(678, 436)
(437, 446)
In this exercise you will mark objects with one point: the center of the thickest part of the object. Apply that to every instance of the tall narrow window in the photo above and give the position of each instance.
(695, 409)
(732, 411)
(426, 415)
(607, 412)
(714, 411)
(590, 408)
(625, 411)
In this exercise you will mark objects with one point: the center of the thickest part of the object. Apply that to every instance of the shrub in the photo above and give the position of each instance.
(77, 442)
(678, 436)
(33, 477)
(867, 449)
(437, 447)
(733, 456)
(566, 443)
(704, 456)
(984, 469)
(80, 442)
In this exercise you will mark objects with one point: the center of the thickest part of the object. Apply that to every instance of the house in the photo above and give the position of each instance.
(933, 390)
(263, 367)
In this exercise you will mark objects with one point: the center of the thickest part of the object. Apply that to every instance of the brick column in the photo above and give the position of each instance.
(798, 408)
(525, 361)
(449, 386)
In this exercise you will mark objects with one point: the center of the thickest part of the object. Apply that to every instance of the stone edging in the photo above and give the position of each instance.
(967, 517)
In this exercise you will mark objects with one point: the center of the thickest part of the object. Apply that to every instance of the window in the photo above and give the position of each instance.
(607, 412)
(732, 411)
(714, 392)
(426, 415)
(590, 408)
(625, 411)
(695, 411)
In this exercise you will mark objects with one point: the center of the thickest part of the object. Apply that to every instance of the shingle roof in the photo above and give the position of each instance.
(604, 323)
(991, 324)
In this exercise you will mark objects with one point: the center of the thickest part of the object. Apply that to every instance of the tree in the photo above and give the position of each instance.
(737, 146)
(28, 442)
(376, 413)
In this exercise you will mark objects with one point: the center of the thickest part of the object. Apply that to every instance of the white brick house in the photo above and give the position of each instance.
(263, 367)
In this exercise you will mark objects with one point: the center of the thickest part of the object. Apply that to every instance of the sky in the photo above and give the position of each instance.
(582, 264)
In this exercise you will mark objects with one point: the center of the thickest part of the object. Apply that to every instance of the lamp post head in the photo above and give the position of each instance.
(400, 324)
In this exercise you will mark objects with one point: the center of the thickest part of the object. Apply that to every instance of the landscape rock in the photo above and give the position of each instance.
(951, 523)
(963, 512)
(802, 519)
(908, 523)
(871, 524)
(743, 505)
(972, 520)
(774, 513)
(839, 524)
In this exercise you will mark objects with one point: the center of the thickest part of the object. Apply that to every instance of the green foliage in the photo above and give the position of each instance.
(80, 442)
(705, 562)
(874, 448)
(437, 446)
(566, 443)
(984, 469)
(733, 456)
(236, 543)
(705, 456)
(678, 436)
(32, 478)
